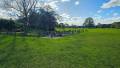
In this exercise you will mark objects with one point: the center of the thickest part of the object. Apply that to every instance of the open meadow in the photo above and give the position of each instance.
(95, 48)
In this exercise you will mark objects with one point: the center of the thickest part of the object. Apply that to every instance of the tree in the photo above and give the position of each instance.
(116, 25)
(23, 8)
(43, 20)
(61, 25)
(99, 25)
(89, 22)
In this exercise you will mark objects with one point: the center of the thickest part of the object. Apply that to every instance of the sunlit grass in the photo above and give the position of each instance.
(96, 48)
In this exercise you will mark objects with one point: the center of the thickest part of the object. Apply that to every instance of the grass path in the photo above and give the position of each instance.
(97, 48)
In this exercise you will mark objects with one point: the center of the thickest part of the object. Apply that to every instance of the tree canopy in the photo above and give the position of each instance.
(89, 22)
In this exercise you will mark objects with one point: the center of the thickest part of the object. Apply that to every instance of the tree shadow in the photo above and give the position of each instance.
(13, 55)
(6, 52)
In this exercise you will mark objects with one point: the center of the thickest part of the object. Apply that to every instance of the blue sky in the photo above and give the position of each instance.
(85, 8)
(104, 11)
(76, 11)
(88, 8)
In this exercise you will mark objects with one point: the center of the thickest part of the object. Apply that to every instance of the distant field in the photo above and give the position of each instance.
(95, 48)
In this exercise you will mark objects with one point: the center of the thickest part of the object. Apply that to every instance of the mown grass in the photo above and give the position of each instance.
(67, 29)
(96, 48)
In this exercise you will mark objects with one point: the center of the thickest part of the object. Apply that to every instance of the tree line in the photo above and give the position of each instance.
(42, 20)
(89, 23)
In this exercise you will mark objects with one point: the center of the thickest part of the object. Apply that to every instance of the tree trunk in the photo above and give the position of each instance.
(26, 25)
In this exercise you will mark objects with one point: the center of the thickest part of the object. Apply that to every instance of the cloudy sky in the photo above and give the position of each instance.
(75, 11)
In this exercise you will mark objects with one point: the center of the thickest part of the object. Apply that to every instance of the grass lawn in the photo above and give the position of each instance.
(96, 48)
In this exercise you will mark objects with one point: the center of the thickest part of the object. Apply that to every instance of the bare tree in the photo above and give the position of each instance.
(23, 7)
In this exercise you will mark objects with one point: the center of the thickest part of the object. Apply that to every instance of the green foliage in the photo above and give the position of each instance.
(116, 25)
(99, 25)
(43, 19)
(7, 25)
(89, 23)
(97, 48)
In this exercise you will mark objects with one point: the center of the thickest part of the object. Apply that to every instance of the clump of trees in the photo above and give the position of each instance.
(116, 25)
(30, 17)
(22, 8)
(42, 20)
(113, 25)
(7, 25)
(99, 25)
(43, 17)
(89, 23)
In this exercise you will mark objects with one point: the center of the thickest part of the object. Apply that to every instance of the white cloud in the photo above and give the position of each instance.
(8, 14)
(65, 15)
(3, 14)
(100, 19)
(77, 21)
(71, 20)
(80, 20)
(54, 4)
(111, 3)
(107, 20)
(65, 0)
(77, 3)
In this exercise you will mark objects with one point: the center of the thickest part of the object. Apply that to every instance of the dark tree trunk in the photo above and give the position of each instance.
(26, 25)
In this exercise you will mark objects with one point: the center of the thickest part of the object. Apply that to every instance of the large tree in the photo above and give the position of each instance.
(22, 7)
(89, 22)
(44, 19)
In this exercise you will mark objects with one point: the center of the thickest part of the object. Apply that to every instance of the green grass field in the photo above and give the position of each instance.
(96, 48)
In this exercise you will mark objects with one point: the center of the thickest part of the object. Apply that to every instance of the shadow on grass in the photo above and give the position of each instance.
(12, 55)
(5, 53)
